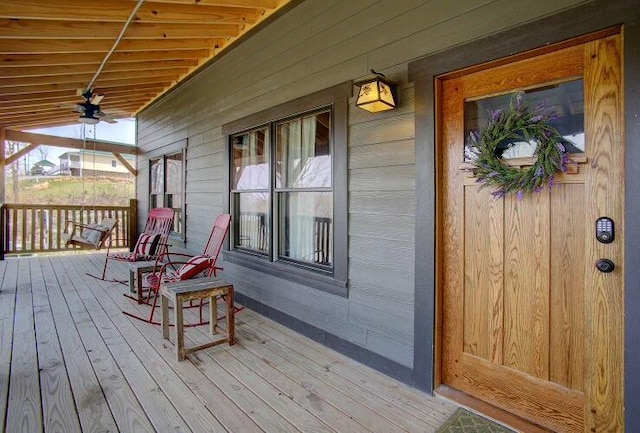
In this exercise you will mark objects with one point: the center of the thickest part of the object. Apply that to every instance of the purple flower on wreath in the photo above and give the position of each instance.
(518, 101)
(499, 193)
(541, 105)
(520, 195)
(550, 182)
(564, 162)
(539, 172)
(536, 119)
(538, 188)
(496, 115)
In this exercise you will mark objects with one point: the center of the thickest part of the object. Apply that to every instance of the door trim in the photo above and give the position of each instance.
(572, 23)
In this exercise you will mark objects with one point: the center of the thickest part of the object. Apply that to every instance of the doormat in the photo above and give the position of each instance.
(463, 421)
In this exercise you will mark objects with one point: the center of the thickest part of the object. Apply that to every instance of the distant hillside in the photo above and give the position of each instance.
(62, 190)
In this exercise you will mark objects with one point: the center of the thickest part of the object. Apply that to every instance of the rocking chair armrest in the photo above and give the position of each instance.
(86, 226)
(163, 268)
(74, 225)
(166, 258)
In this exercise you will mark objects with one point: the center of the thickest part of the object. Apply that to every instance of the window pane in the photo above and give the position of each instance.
(251, 221)
(250, 169)
(156, 201)
(566, 100)
(306, 232)
(174, 201)
(174, 173)
(303, 152)
(156, 180)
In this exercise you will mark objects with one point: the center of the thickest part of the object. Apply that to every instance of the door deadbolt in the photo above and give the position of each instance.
(604, 230)
(605, 265)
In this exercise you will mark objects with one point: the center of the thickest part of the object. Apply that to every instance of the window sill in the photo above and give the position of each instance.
(290, 272)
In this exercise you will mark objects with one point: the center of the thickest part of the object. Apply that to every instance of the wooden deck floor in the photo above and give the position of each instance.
(70, 361)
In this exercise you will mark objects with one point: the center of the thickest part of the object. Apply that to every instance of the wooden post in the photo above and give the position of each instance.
(133, 223)
(3, 230)
(2, 196)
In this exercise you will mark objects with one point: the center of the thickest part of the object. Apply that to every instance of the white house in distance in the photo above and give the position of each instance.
(93, 163)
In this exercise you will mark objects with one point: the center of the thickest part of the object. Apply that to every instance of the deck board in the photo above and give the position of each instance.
(387, 416)
(195, 375)
(58, 411)
(9, 274)
(88, 392)
(140, 376)
(355, 373)
(81, 365)
(25, 410)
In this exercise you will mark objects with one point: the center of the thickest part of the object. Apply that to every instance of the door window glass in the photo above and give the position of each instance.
(565, 101)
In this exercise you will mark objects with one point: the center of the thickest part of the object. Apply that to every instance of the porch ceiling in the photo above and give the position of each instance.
(49, 50)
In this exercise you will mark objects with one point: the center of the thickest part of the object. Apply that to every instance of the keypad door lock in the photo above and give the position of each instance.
(604, 230)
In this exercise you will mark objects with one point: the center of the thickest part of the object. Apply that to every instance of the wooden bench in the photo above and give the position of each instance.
(197, 289)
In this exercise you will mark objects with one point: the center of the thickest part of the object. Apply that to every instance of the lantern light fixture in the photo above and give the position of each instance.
(376, 94)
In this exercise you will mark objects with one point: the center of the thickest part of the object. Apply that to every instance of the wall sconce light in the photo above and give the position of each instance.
(376, 94)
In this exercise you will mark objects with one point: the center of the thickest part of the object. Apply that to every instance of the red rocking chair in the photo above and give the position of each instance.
(151, 243)
(188, 267)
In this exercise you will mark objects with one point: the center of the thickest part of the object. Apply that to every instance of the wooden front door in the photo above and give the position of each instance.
(528, 324)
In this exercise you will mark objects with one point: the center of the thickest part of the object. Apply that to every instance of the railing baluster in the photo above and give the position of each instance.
(14, 234)
(32, 236)
(59, 228)
(23, 236)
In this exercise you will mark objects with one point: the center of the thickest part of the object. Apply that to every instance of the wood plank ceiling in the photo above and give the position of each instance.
(130, 51)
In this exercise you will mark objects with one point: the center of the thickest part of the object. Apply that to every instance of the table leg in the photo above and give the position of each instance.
(213, 314)
(231, 320)
(179, 325)
(139, 284)
(164, 301)
(132, 277)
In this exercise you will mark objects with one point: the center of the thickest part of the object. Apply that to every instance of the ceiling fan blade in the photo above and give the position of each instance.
(95, 99)
(106, 117)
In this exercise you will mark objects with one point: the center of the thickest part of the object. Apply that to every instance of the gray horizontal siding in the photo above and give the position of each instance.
(316, 45)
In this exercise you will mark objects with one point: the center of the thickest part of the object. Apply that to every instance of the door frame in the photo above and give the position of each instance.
(589, 18)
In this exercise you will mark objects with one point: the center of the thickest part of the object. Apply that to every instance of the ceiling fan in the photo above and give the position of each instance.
(89, 110)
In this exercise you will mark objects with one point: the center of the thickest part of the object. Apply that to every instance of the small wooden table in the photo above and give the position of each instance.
(136, 271)
(198, 288)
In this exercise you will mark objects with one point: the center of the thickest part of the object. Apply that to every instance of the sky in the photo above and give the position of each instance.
(122, 132)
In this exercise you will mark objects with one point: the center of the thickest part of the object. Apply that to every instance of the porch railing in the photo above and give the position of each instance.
(251, 233)
(33, 228)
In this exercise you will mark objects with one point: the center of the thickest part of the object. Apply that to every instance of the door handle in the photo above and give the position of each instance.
(605, 265)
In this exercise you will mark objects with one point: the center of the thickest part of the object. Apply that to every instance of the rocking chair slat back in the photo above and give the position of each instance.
(159, 222)
(216, 239)
(151, 243)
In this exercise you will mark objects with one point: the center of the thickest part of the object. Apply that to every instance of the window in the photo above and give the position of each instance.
(565, 100)
(165, 186)
(287, 190)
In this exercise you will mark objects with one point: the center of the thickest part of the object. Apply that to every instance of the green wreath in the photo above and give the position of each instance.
(521, 123)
